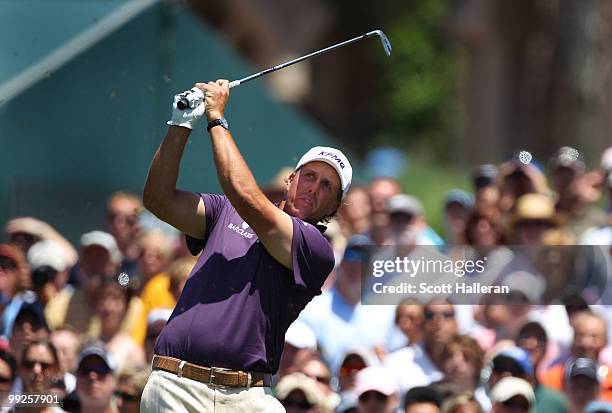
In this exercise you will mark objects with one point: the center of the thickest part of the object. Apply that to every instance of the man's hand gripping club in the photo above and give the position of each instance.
(205, 98)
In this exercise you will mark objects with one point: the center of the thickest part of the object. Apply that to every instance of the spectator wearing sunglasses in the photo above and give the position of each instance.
(96, 384)
(417, 365)
(14, 279)
(512, 395)
(299, 393)
(39, 368)
(376, 390)
(130, 384)
(122, 209)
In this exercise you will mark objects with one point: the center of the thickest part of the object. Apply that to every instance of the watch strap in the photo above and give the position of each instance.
(216, 122)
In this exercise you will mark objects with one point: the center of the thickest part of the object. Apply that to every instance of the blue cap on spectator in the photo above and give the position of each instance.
(484, 175)
(100, 352)
(582, 366)
(517, 356)
(598, 406)
(458, 196)
(355, 247)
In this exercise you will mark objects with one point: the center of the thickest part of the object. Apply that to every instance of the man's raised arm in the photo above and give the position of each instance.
(273, 226)
(181, 209)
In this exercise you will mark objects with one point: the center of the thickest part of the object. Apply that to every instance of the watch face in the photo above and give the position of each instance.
(224, 123)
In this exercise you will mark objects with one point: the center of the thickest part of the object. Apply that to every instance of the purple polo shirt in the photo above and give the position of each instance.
(239, 301)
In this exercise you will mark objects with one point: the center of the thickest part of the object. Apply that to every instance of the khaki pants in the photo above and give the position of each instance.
(166, 392)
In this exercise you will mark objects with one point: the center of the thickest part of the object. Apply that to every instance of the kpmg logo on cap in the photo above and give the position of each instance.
(333, 156)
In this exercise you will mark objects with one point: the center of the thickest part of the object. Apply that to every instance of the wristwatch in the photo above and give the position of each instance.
(217, 122)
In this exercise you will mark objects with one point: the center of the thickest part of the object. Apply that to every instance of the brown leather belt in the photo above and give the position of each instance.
(212, 375)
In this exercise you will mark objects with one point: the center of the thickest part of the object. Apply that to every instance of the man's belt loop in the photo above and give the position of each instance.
(179, 373)
(249, 380)
(211, 376)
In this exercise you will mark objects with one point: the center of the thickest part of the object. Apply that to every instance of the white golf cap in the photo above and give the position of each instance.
(47, 253)
(510, 387)
(299, 335)
(104, 240)
(333, 157)
(375, 379)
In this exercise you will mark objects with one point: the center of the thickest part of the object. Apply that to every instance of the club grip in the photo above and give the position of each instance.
(182, 104)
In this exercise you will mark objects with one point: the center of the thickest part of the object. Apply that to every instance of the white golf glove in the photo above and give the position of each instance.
(188, 118)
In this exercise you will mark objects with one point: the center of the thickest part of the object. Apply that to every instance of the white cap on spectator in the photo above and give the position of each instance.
(104, 240)
(47, 253)
(375, 378)
(510, 387)
(299, 335)
(158, 314)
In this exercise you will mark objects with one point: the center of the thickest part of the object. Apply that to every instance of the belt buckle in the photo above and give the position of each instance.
(211, 376)
(179, 373)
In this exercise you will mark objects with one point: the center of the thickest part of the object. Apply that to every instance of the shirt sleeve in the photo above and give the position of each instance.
(213, 205)
(312, 256)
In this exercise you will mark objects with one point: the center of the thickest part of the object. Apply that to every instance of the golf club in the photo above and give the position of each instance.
(184, 103)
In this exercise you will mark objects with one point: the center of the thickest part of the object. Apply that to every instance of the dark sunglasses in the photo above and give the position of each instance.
(30, 364)
(517, 404)
(430, 315)
(127, 396)
(130, 219)
(100, 370)
(7, 264)
(5, 380)
(297, 404)
(369, 395)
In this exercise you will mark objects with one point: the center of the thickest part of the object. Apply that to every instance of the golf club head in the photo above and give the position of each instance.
(384, 40)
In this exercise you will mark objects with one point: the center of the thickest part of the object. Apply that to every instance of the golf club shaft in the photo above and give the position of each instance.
(299, 59)
(184, 104)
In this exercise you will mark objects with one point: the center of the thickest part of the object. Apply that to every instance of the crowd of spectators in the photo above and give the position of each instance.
(81, 322)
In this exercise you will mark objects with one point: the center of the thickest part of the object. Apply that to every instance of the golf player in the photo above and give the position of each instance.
(261, 264)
